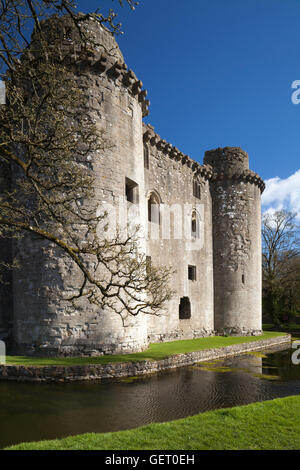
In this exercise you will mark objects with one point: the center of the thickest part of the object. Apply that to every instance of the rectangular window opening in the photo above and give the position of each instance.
(131, 190)
(192, 273)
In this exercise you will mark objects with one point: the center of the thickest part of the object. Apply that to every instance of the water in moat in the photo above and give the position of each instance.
(31, 412)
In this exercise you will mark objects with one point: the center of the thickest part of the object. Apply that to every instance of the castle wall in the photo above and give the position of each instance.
(43, 321)
(6, 293)
(172, 179)
(218, 267)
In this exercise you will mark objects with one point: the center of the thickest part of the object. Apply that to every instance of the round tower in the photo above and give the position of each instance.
(236, 197)
(114, 99)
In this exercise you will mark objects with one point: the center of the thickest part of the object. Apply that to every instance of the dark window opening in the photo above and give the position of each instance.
(194, 225)
(184, 308)
(146, 157)
(131, 189)
(196, 189)
(192, 273)
(153, 209)
(148, 264)
(243, 278)
(68, 34)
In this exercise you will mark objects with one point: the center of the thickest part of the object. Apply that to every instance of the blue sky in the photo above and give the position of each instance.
(219, 73)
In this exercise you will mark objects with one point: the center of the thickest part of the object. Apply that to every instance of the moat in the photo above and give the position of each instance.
(31, 412)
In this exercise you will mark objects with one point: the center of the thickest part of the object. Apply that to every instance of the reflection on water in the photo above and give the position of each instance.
(45, 411)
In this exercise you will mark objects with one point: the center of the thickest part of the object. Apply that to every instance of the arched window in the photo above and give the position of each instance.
(184, 308)
(154, 208)
(195, 225)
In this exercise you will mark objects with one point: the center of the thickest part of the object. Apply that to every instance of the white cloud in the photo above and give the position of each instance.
(282, 194)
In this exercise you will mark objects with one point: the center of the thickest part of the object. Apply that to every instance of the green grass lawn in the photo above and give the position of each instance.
(263, 426)
(155, 351)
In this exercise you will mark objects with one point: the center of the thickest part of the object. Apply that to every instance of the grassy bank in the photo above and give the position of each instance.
(155, 351)
(264, 426)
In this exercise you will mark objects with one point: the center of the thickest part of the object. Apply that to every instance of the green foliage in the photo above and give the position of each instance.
(287, 327)
(281, 267)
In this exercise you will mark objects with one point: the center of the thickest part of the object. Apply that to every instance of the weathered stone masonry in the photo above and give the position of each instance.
(138, 368)
(218, 284)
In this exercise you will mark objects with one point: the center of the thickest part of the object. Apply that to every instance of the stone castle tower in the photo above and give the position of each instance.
(218, 268)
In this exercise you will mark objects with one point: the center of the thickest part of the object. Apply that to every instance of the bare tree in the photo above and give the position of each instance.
(281, 269)
(17, 18)
(44, 146)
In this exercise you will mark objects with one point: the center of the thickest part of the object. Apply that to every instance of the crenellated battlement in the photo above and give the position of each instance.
(232, 163)
(153, 139)
(229, 163)
(100, 56)
(248, 176)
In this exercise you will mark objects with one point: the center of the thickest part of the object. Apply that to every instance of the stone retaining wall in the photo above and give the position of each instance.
(127, 369)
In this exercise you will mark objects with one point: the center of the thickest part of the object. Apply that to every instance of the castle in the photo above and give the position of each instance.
(218, 269)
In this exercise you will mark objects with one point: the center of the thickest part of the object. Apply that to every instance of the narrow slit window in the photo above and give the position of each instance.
(148, 264)
(146, 157)
(196, 189)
